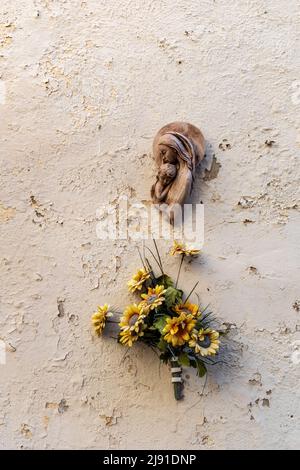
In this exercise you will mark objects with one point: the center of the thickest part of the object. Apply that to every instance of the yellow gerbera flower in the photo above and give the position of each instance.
(131, 324)
(187, 308)
(181, 249)
(99, 318)
(177, 329)
(153, 299)
(205, 342)
(137, 281)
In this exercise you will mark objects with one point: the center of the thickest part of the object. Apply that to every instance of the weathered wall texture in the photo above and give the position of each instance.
(84, 86)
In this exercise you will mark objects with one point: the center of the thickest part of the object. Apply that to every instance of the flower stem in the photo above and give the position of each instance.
(191, 292)
(141, 258)
(156, 260)
(182, 257)
(157, 251)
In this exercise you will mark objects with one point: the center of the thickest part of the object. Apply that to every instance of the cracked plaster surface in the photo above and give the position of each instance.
(84, 86)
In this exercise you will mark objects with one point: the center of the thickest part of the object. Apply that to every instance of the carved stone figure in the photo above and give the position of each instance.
(166, 174)
(178, 147)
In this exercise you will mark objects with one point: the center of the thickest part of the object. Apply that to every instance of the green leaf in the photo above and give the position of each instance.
(201, 368)
(165, 357)
(180, 294)
(160, 323)
(165, 280)
(184, 360)
(162, 345)
(172, 296)
(150, 336)
(198, 364)
(193, 362)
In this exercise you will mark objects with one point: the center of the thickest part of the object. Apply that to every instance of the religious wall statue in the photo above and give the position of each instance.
(178, 147)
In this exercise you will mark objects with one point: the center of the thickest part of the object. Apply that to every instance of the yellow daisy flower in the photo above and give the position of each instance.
(181, 249)
(131, 324)
(177, 329)
(153, 299)
(187, 308)
(205, 342)
(99, 318)
(137, 281)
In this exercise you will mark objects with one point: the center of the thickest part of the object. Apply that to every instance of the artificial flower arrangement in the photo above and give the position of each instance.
(164, 319)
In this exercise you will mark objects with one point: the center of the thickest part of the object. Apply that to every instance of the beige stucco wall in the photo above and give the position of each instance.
(84, 85)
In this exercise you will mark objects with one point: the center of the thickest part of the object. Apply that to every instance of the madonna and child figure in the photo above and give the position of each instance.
(178, 147)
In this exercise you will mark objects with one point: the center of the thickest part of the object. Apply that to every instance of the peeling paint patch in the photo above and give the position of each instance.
(256, 379)
(207, 441)
(246, 202)
(51, 405)
(224, 145)
(62, 406)
(296, 305)
(25, 431)
(5, 34)
(248, 221)
(253, 270)
(269, 143)
(60, 307)
(111, 420)
(46, 420)
(6, 213)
